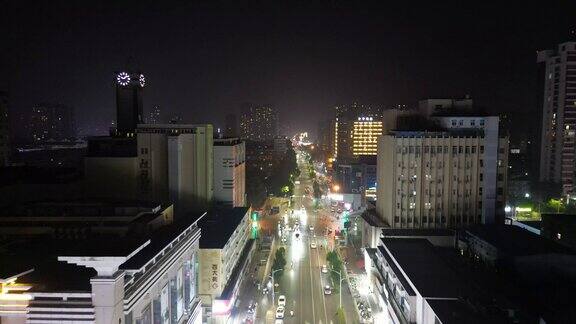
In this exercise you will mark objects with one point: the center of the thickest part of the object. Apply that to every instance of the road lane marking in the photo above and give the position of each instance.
(312, 283)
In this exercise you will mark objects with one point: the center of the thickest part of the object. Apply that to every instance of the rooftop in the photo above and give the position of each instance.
(218, 226)
(430, 276)
(515, 241)
(230, 141)
(41, 254)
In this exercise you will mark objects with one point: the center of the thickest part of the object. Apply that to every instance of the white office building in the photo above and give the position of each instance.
(229, 172)
(175, 163)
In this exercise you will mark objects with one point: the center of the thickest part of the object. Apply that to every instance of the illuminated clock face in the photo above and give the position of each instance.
(123, 78)
(142, 80)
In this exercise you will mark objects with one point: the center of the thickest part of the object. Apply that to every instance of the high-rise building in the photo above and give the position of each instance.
(326, 137)
(155, 116)
(355, 130)
(129, 104)
(231, 126)
(448, 178)
(557, 156)
(258, 123)
(365, 132)
(175, 162)
(229, 172)
(51, 122)
(280, 145)
(4, 130)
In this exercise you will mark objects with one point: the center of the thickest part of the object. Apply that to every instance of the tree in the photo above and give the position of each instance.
(316, 188)
(340, 317)
(336, 265)
(555, 206)
(279, 263)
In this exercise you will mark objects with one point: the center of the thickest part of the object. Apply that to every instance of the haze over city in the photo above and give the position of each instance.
(286, 162)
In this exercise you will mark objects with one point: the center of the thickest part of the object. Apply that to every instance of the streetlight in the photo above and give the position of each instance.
(272, 277)
(341, 279)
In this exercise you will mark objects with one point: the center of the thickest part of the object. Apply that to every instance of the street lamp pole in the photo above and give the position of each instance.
(340, 284)
(272, 277)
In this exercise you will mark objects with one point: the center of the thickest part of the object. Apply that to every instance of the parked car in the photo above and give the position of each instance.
(327, 290)
(324, 269)
(313, 245)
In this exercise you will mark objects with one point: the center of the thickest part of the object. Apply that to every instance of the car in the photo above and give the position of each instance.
(297, 182)
(313, 245)
(324, 269)
(280, 312)
(264, 290)
(327, 290)
(282, 300)
(252, 307)
(311, 228)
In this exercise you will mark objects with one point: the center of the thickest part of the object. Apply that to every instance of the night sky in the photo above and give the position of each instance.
(202, 61)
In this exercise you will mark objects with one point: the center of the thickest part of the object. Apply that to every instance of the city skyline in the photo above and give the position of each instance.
(301, 59)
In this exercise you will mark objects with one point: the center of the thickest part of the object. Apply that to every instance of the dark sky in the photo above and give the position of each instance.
(202, 61)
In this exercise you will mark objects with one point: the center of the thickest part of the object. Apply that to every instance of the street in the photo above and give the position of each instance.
(302, 281)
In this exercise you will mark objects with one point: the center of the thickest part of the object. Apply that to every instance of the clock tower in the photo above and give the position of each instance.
(129, 107)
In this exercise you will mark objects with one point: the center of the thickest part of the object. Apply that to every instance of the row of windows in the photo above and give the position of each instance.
(471, 123)
(432, 219)
(439, 164)
(438, 149)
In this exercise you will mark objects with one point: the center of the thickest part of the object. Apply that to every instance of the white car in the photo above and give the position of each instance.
(282, 300)
(327, 290)
(280, 312)
(311, 228)
(313, 245)
(324, 269)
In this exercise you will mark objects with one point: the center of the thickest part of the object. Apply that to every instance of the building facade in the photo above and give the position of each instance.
(557, 155)
(450, 178)
(356, 128)
(175, 162)
(225, 252)
(111, 168)
(365, 132)
(430, 180)
(155, 116)
(230, 172)
(51, 122)
(258, 123)
(280, 145)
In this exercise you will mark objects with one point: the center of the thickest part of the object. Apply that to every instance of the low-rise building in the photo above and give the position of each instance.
(225, 251)
(83, 218)
(103, 279)
(415, 285)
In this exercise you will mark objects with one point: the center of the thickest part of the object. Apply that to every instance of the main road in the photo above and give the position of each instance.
(303, 282)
